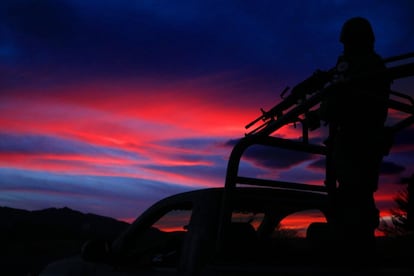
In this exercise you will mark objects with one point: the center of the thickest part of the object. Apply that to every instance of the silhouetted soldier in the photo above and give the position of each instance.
(356, 114)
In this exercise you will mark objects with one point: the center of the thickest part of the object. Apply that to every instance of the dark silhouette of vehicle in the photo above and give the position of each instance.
(241, 228)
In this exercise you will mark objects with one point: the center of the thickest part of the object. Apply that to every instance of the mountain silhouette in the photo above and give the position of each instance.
(57, 223)
(31, 239)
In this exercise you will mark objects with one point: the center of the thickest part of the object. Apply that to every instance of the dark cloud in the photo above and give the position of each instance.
(193, 143)
(391, 168)
(214, 173)
(319, 164)
(47, 144)
(404, 137)
(201, 163)
(79, 191)
(39, 20)
(188, 37)
(205, 150)
(276, 158)
(231, 143)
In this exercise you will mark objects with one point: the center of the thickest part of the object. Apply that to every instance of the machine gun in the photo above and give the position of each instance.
(317, 81)
(299, 100)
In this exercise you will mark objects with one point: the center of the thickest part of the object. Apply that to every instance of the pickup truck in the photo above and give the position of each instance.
(179, 235)
(244, 228)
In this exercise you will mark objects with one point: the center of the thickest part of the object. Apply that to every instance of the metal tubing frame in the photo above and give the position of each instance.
(262, 137)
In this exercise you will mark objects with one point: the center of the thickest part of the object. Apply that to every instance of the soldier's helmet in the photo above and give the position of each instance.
(357, 31)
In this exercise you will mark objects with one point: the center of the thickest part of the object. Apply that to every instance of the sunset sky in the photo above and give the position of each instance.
(108, 106)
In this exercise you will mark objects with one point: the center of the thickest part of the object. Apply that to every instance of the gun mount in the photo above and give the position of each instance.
(311, 91)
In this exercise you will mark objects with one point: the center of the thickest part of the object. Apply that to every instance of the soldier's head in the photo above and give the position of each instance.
(357, 35)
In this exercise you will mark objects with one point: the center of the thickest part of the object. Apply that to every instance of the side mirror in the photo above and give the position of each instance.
(95, 251)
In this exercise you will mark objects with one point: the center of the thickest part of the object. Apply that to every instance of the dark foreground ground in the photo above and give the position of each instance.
(28, 257)
(30, 240)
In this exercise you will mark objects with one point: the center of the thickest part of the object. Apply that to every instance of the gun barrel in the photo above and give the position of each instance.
(254, 121)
